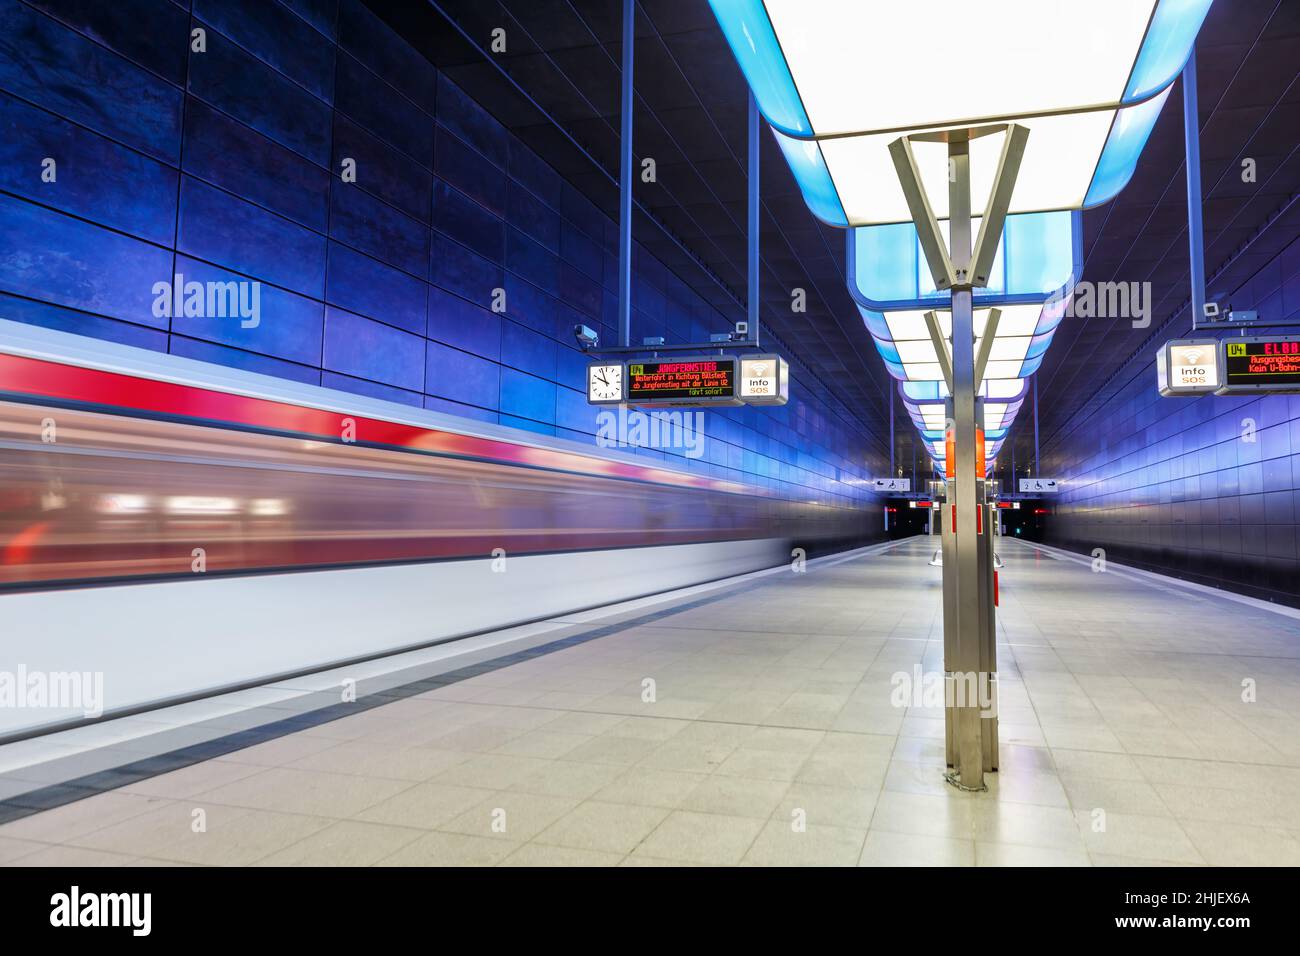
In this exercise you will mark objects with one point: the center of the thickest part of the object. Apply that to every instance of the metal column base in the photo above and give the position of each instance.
(953, 779)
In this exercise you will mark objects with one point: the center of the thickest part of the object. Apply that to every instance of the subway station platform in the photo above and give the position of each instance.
(1144, 721)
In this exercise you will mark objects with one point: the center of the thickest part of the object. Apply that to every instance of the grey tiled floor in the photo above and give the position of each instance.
(1125, 740)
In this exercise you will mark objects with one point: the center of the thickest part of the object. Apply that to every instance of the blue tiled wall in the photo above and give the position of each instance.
(225, 164)
(1176, 485)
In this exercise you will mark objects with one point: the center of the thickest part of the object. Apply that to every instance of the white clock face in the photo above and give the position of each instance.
(604, 383)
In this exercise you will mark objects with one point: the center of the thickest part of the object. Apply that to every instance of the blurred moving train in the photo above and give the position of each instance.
(186, 529)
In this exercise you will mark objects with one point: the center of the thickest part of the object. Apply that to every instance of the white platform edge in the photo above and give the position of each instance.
(119, 731)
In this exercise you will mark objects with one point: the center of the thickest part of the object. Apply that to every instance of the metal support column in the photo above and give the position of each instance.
(625, 180)
(964, 667)
(968, 595)
(1195, 233)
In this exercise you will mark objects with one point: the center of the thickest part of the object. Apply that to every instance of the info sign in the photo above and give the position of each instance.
(1188, 367)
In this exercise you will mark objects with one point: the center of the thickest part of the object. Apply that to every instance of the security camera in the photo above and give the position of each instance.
(653, 340)
(587, 338)
(742, 331)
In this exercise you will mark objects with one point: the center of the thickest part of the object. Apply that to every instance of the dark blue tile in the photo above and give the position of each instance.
(579, 290)
(573, 413)
(238, 235)
(374, 227)
(383, 171)
(234, 358)
(288, 326)
(362, 285)
(52, 257)
(117, 25)
(527, 351)
(275, 36)
(530, 306)
(372, 103)
(582, 212)
(44, 62)
(456, 269)
(531, 261)
(571, 368)
(237, 158)
(456, 322)
(465, 169)
(529, 214)
(460, 376)
(526, 396)
(359, 386)
(81, 323)
(582, 253)
(607, 322)
(527, 167)
(238, 83)
(321, 14)
(364, 348)
(374, 43)
(471, 123)
(95, 177)
(472, 225)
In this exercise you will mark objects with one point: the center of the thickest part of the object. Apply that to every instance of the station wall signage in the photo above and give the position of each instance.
(1039, 486)
(764, 380)
(892, 484)
(1189, 367)
(688, 382)
(1260, 364)
(703, 380)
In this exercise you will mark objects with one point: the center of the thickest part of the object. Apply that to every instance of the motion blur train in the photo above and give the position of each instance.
(187, 528)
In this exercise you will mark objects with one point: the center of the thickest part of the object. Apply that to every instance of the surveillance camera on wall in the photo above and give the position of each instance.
(587, 337)
(742, 330)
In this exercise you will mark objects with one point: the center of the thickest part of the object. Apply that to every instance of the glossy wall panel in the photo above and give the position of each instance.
(1206, 489)
(406, 245)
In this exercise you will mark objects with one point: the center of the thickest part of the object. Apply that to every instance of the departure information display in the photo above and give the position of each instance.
(1261, 364)
(690, 381)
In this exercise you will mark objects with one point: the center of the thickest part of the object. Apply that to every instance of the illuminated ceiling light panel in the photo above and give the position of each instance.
(924, 402)
(1087, 78)
(1039, 257)
(1023, 335)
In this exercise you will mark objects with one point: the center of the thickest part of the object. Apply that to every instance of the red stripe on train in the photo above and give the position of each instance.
(39, 378)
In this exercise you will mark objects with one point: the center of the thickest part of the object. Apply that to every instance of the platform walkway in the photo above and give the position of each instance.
(770, 738)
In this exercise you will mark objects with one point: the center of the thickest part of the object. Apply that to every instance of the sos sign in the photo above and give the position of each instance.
(1189, 367)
